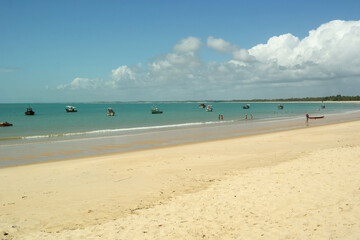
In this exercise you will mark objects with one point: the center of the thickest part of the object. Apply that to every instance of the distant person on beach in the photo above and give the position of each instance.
(245, 116)
(307, 117)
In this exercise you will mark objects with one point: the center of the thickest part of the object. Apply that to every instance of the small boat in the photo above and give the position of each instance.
(209, 108)
(29, 111)
(110, 112)
(155, 110)
(317, 117)
(247, 106)
(201, 105)
(280, 106)
(70, 109)
(5, 124)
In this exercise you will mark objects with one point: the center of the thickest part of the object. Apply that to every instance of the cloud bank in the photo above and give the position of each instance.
(320, 64)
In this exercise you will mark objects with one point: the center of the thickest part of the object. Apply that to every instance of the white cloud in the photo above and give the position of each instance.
(327, 57)
(278, 48)
(81, 83)
(220, 45)
(331, 43)
(190, 44)
(243, 56)
(328, 53)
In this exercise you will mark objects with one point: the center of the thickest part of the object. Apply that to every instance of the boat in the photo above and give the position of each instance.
(280, 106)
(317, 117)
(247, 106)
(29, 111)
(5, 124)
(70, 109)
(155, 110)
(201, 105)
(209, 108)
(110, 112)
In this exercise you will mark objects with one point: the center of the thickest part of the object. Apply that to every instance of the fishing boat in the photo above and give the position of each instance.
(317, 117)
(247, 106)
(70, 109)
(5, 124)
(209, 108)
(110, 112)
(280, 106)
(201, 105)
(155, 110)
(29, 111)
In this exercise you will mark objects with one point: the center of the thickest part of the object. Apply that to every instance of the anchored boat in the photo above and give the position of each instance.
(70, 109)
(110, 112)
(247, 106)
(29, 111)
(155, 110)
(209, 108)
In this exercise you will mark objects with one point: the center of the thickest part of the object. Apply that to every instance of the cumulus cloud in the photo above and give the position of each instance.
(189, 45)
(220, 45)
(123, 77)
(329, 54)
(81, 83)
(181, 67)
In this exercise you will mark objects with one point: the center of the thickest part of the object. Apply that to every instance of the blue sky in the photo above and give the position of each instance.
(71, 51)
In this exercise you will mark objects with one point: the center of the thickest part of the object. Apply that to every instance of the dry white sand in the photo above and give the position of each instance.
(297, 184)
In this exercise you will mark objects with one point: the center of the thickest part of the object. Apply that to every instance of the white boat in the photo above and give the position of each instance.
(209, 108)
(70, 109)
(247, 106)
(110, 112)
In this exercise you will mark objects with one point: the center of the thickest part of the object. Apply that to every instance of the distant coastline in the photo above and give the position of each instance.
(337, 98)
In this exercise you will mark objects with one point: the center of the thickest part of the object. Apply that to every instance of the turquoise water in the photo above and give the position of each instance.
(52, 131)
(51, 119)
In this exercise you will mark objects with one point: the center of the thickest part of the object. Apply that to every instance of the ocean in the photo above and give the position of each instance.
(54, 134)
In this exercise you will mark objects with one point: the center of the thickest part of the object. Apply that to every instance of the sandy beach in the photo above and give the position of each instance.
(294, 184)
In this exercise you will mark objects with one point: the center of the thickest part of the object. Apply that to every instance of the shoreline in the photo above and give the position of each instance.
(100, 155)
(68, 148)
(126, 195)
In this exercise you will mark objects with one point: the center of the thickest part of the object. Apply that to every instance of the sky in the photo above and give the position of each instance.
(132, 50)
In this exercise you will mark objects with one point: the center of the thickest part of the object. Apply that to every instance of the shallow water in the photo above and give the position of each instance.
(53, 134)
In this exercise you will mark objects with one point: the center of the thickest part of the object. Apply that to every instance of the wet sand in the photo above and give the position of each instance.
(35, 150)
(293, 184)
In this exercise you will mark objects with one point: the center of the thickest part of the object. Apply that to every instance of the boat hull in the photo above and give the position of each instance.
(5, 124)
(29, 113)
(316, 117)
(156, 112)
